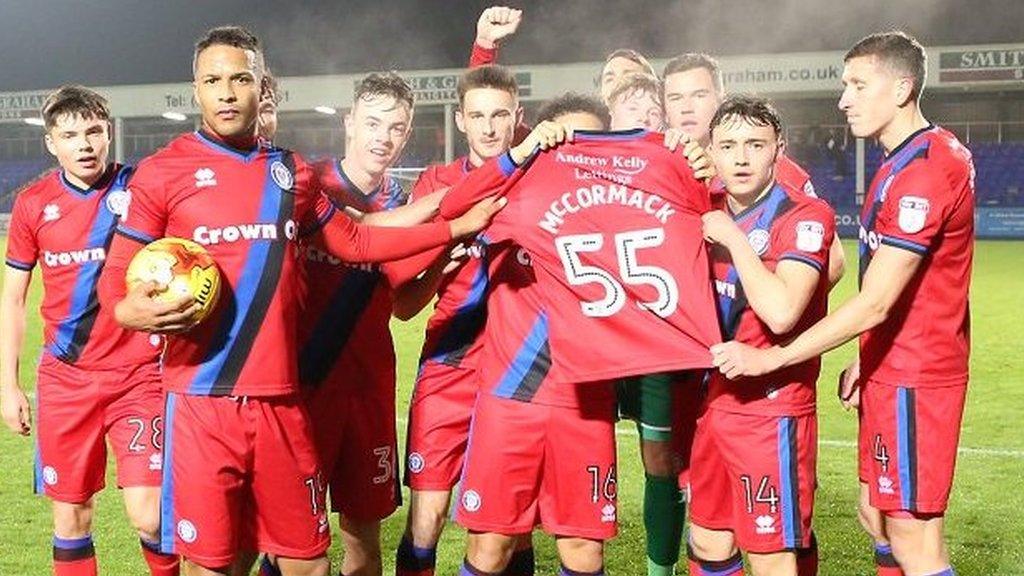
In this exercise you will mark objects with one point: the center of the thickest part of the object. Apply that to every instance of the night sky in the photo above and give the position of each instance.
(45, 43)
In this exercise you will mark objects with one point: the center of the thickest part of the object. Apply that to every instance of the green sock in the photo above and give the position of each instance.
(664, 516)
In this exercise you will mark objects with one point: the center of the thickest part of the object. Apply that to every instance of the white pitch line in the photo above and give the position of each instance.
(626, 428)
(629, 429)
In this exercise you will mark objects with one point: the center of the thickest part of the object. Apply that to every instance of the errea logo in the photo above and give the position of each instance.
(765, 524)
(51, 212)
(608, 513)
(885, 485)
(205, 177)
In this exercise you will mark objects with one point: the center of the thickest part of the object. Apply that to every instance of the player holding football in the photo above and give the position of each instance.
(242, 468)
(96, 381)
(754, 454)
(916, 243)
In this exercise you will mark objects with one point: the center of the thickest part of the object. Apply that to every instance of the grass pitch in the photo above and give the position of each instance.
(985, 529)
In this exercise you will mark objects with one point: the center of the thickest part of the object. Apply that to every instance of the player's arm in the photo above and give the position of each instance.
(17, 411)
(354, 242)
(890, 271)
(778, 298)
(836, 261)
(411, 297)
(498, 175)
(421, 210)
(146, 221)
(495, 24)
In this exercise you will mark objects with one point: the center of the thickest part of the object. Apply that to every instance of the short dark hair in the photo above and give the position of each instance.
(384, 84)
(236, 36)
(74, 100)
(271, 88)
(572, 102)
(636, 82)
(899, 51)
(693, 61)
(633, 56)
(490, 76)
(752, 109)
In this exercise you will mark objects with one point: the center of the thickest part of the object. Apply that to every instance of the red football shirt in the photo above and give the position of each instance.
(453, 330)
(612, 225)
(922, 200)
(247, 208)
(67, 230)
(785, 224)
(344, 327)
(515, 352)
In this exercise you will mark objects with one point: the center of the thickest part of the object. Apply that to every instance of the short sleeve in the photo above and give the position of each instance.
(914, 209)
(805, 234)
(145, 218)
(22, 248)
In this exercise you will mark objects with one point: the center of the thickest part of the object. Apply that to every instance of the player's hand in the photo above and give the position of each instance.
(545, 135)
(431, 202)
(674, 137)
(16, 410)
(849, 386)
(734, 359)
(719, 228)
(139, 311)
(699, 160)
(478, 217)
(495, 24)
(458, 255)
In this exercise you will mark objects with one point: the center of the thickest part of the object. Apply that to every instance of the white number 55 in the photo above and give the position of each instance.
(627, 244)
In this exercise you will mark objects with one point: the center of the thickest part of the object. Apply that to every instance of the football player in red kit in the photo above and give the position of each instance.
(916, 245)
(446, 385)
(541, 367)
(237, 441)
(754, 454)
(96, 381)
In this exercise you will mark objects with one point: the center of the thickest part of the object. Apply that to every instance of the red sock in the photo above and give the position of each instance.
(74, 557)
(807, 559)
(159, 564)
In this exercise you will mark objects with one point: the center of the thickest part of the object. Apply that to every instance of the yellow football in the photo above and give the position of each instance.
(179, 267)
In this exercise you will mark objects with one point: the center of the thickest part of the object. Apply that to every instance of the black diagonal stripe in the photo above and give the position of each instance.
(535, 375)
(912, 446)
(463, 331)
(265, 291)
(794, 482)
(335, 325)
(85, 325)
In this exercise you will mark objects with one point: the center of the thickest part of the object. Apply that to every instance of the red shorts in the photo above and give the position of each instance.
(530, 464)
(354, 432)
(78, 410)
(755, 476)
(687, 404)
(908, 471)
(439, 416)
(242, 473)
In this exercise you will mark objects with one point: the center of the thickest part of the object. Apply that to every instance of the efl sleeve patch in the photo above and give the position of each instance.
(810, 235)
(913, 213)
